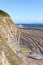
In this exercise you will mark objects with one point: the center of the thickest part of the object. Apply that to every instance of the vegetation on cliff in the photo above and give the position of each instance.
(2, 13)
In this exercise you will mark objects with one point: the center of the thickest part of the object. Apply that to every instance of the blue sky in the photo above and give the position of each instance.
(24, 11)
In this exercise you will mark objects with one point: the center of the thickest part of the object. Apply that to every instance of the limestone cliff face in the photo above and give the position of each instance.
(9, 41)
(4, 59)
(9, 31)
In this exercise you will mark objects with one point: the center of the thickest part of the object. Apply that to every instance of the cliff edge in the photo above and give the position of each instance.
(8, 41)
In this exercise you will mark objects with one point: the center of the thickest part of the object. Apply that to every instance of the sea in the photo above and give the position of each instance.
(39, 26)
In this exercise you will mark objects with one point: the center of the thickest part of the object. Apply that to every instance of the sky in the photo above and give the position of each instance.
(23, 11)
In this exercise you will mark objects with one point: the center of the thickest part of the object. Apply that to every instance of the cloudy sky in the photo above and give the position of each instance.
(24, 11)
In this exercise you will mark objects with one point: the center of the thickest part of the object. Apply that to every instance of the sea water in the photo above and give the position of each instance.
(30, 25)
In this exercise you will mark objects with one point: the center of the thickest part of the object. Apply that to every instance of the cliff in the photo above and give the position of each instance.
(8, 39)
(19, 46)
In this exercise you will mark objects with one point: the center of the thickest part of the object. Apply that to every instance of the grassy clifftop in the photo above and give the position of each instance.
(2, 13)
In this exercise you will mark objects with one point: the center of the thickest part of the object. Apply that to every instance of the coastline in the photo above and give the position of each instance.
(29, 28)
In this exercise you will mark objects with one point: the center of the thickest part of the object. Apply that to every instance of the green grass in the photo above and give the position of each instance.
(25, 50)
(2, 13)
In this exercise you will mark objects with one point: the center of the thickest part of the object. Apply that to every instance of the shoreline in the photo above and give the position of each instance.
(32, 28)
